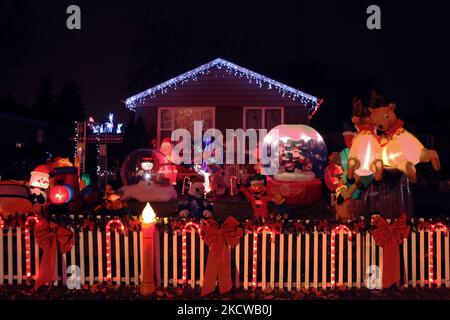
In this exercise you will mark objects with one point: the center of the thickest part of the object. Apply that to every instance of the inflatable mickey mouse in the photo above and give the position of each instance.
(194, 205)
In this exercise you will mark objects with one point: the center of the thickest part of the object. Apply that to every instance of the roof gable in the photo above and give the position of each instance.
(232, 69)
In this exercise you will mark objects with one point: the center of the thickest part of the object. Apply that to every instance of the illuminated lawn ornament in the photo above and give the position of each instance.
(108, 245)
(27, 230)
(338, 229)
(188, 226)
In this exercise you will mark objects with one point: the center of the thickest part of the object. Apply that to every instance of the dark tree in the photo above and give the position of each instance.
(136, 135)
(69, 103)
(44, 106)
(16, 20)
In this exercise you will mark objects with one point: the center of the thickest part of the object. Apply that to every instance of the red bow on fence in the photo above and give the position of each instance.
(51, 238)
(217, 238)
(389, 237)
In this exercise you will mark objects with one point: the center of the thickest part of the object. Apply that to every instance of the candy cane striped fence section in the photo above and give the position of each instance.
(261, 260)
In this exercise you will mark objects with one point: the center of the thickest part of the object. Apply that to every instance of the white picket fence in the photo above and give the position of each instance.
(288, 261)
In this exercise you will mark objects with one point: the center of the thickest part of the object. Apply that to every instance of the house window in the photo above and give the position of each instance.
(171, 118)
(263, 117)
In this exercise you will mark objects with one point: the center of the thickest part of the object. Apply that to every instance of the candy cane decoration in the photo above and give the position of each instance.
(186, 180)
(233, 180)
(2, 223)
(434, 227)
(108, 246)
(255, 251)
(196, 227)
(27, 243)
(333, 249)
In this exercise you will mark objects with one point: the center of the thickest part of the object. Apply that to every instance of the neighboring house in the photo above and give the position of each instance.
(225, 96)
(25, 141)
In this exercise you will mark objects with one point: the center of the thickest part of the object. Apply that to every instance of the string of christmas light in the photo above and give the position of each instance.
(333, 249)
(187, 226)
(433, 229)
(108, 245)
(232, 69)
(76, 141)
(255, 251)
(28, 243)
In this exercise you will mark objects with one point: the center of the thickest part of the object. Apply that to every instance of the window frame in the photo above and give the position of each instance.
(172, 109)
(263, 116)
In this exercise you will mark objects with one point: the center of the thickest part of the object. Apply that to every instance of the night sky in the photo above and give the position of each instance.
(321, 47)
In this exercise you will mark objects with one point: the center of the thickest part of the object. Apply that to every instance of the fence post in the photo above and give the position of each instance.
(127, 257)
(358, 260)
(289, 275)
(422, 257)
(299, 262)
(166, 259)
(19, 254)
(447, 261)
(91, 257)
(281, 263)
(237, 262)
(324, 260)
(174, 259)
(307, 244)
(246, 261)
(263, 259)
(10, 257)
(316, 260)
(405, 262)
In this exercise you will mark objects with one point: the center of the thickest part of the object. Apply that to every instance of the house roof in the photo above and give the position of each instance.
(233, 69)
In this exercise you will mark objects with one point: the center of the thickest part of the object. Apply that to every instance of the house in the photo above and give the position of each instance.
(225, 96)
(27, 141)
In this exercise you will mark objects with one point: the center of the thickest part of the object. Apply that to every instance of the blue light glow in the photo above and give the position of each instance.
(255, 78)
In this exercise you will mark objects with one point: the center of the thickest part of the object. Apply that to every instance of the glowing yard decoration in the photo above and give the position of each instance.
(400, 149)
(108, 245)
(200, 169)
(366, 149)
(255, 251)
(434, 227)
(310, 144)
(333, 249)
(187, 226)
(148, 259)
(27, 243)
(311, 102)
(107, 127)
(61, 194)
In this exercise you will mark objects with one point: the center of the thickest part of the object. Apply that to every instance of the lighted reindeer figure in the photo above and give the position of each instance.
(365, 152)
(400, 149)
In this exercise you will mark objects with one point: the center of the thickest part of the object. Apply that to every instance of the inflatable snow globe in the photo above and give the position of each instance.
(143, 177)
(302, 157)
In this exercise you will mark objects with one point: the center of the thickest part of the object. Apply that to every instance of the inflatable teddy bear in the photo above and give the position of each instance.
(194, 205)
(399, 148)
